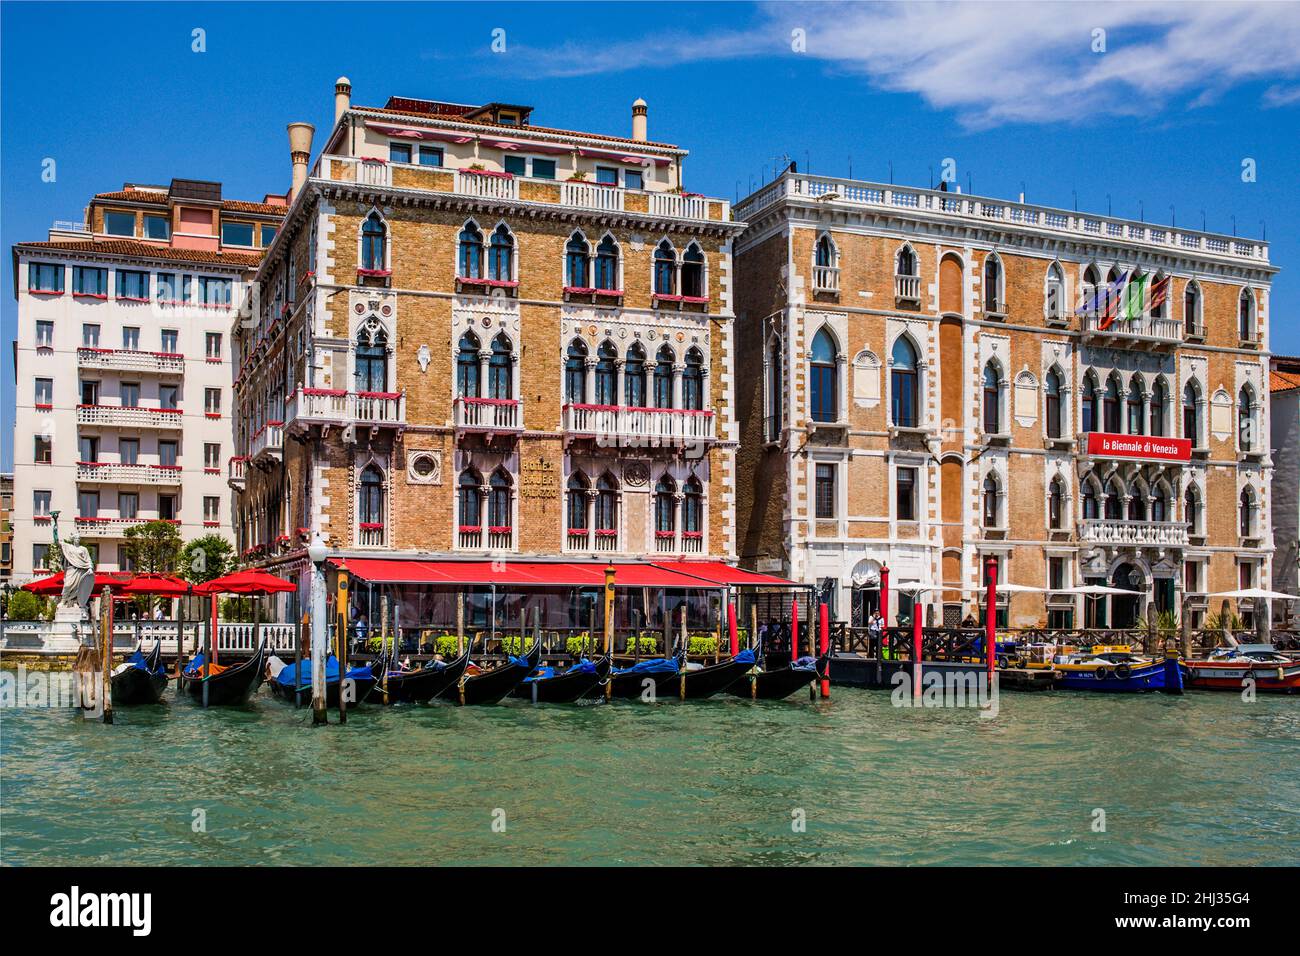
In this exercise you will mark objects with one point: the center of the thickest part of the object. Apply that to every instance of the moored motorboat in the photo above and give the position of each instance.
(419, 685)
(140, 679)
(491, 686)
(357, 685)
(226, 685)
(1116, 669)
(1228, 668)
(547, 686)
(779, 682)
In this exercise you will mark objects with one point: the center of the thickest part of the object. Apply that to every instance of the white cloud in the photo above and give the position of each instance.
(996, 63)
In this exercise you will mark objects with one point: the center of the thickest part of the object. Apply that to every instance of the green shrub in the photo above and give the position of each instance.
(26, 606)
(642, 645)
(582, 644)
(510, 643)
(701, 646)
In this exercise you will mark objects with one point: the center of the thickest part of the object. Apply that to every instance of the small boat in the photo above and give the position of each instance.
(228, 685)
(491, 686)
(1227, 668)
(420, 685)
(285, 686)
(714, 678)
(779, 682)
(140, 679)
(545, 686)
(654, 677)
(1116, 669)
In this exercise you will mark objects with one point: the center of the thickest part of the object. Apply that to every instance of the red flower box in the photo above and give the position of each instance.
(577, 532)
(371, 526)
(665, 535)
(471, 529)
(693, 535)
(499, 529)
(375, 273)
(607, 532)
(488, 172)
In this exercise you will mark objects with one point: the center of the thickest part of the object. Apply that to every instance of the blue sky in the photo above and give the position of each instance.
(1020, 96)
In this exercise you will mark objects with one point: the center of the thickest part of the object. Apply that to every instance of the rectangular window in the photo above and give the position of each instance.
(237, 234)
(905, 493)
(1192, 577)
(41, 557)
(168, 396)
(169, 341)
(213, 345)
(167, 507)
(88, 448)
(269, 233)
(130, 394)
(119, 223)
(633, 179)
(157, 227)
(132, 284)
(430, 156)
(825, 491)
(516, 165)
(167, 453)
(166, 287)
(44, 277)
(213, 291)
(41, 502)
(131, 338)
(128, 451)
(1056, 574)
(211, 455)
(211, 508)
(128, 504)
(399, 152)
(45, 391)
(90, 335)
(212, 401)
(607, 175)
(543, 169)
(42, 453)
(88, 280)
(44, 334)
(89, 393)
(88, 504)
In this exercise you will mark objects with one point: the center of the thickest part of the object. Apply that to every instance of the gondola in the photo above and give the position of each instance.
(544, 686)
(490, 687)
(714, 678)
(420, 685)
(227, 686)
(141, 679)
(284, 683)
(780, 682)
(656, 676)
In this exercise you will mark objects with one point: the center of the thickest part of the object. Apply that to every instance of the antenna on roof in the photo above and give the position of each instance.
(1234, 225)
(1173, 217)
(891, 172)
(1203, 229)
(850, 165)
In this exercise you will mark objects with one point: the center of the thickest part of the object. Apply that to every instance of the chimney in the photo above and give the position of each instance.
(639, 120)
(300, 135)
(342, 97)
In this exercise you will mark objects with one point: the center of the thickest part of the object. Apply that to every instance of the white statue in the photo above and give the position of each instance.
(78, 572)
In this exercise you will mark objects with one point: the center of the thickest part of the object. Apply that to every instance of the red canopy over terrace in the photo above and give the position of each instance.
(161, 585)
(668, 574)
(246, 582)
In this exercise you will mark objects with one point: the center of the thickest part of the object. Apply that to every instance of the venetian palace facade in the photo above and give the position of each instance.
(928, 380)
(122, 361)
(481, 337)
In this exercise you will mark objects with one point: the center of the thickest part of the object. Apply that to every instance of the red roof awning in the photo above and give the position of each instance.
(539, 573)
(724, 574)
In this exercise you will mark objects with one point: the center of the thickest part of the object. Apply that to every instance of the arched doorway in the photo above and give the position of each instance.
(1124, 610)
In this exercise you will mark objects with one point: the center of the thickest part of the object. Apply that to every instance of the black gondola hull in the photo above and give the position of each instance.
(773, 685)
(495, 685)
(712, 679)
(363, 690)
(421, 686)
(562, 688)
(233, 686)
(632, 686)
(136, 686)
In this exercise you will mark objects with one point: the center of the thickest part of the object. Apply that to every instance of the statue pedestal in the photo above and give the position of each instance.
(71, 630)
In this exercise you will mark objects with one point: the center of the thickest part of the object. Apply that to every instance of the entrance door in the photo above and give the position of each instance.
(1124, 610)
(866, 601)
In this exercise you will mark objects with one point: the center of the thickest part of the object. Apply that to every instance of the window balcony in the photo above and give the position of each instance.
(324, 406)
(371, 535)
(489, 185)
(267, 441)
(235, 472)
(907, 289)
(116, 473)
(128, 416)
(639, 427)
(1147, 332)
(679, 542)
(131, 360)
(108, 527)
(1138, 533)
(489, 416)
(678, 206)
(826, 279)
(592, 196)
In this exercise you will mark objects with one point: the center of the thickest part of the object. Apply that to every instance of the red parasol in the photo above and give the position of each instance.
(163, 585)
(53, 585)
(246, 582)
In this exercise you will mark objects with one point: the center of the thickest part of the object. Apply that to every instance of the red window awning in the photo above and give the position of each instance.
(628, 574)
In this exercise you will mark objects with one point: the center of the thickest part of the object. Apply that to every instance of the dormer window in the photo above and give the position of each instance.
(507, 118)
(119, 223)
(237, 234)
(157, 227)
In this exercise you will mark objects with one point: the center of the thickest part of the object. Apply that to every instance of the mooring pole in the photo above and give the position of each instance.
(316, 553)
(824, 644)
(209, 639)
(341, 602)
(916, 649)
(991, 618)
(383, 644)
(794, 628)
(297, 660)
(610, 573)
(107, 656)
(733, 636)
(460, 623)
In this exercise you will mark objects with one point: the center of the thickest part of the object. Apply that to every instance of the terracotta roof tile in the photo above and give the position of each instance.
(1283, 381)
(449, 118)
(238, 205)
(146, 250)
(160, 199)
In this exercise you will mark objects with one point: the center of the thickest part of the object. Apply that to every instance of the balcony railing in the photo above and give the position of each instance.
(97, 527)
(592, 196)
(112, 472)
(132, 360)
(129, 416)
(371, 535)
(679, 542)
(325, 406)
(1119, 531)
(267, 440)
(235, 473)
(1144, 330)
(487, 185)
(907, 288)
(679, 206)
(826, 279)
(622, 425)
(488, 415)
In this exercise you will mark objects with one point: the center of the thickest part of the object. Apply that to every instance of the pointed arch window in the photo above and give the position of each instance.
(1159, 408)
(693, 381)
(1245, 419)
(825, 252)
(1192, 510)
(370, 497)
(467, 366)
(1054, 292)
(693, 507)
(1090, 508)
(1192, 414)
(775, 391)
(993, 284)
(1114, 502)
(1246, 316)
(501, 255)
(499, 495)
(470, 493)
(824, 391)
(471, 252)
(501, 370)
(1089, 402)
(1137, 504)
(990, 501)
(606, 503)
(1091, 282)
(904, 377)
(607, 265)
(575, 373)
(374, 242)
(665, 506)
(1135, 407)
(1052, 394)
(1110, 406)
(1160, 504)
(1055, 504)
(577, 257)
(693, 271)
(663, 377)
(905, 261)
(1192, 309)
(606, 374)
(1247, 513)
(578, 496)
(665, 269)
(634, 376)
(992, 399)
(371, 361)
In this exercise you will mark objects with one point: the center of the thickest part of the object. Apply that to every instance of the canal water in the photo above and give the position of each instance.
(1201, 779)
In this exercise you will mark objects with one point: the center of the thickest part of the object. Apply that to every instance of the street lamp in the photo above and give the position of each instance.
(316, 553)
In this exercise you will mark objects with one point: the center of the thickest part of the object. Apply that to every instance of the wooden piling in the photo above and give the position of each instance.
(460, 623)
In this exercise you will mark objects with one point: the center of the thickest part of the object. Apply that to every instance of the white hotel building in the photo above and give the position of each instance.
(122, 366)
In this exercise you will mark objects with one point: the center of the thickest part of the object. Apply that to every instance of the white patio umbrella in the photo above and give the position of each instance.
(1248, 594)
(1098, 590)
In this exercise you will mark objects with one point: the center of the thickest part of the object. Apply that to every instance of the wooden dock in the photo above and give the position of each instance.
(855, 669)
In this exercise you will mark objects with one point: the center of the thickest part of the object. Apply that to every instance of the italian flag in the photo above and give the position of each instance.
(1135, 297)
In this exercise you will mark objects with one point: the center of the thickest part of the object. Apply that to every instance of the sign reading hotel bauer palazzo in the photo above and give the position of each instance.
(1145, 447)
